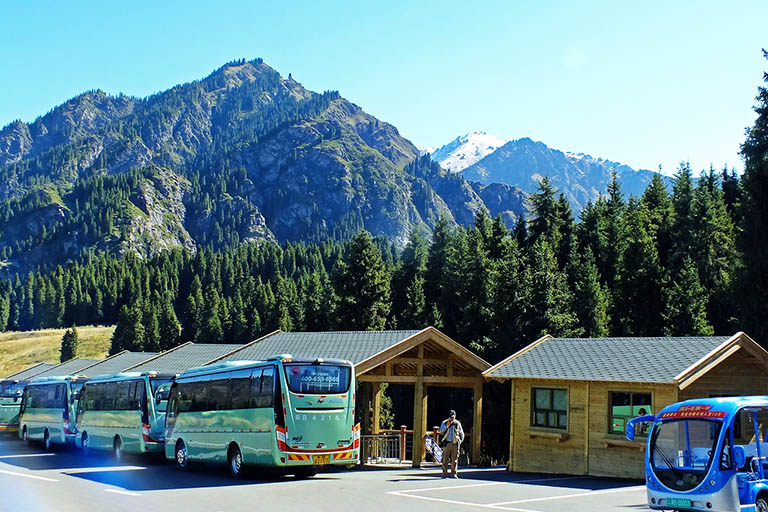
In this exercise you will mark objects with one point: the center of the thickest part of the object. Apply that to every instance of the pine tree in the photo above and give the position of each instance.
(546, 221)
(615, 233)
(509, 300)
(151, 329)
(591, 301)
(638, 303)
(683, 226)
(211, 330)
(129, 331)
(713, 249)
(550, 308)
(168, 327)
(69, 344)
(754, 222)
(657, 202)
(362, 285)
(686, 305)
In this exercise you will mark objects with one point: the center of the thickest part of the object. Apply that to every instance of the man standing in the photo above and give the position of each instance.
(451, 436)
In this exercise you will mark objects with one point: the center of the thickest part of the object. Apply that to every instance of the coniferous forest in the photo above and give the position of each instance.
(690, 259)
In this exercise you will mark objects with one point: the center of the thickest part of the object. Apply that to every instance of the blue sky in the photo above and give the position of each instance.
(643, 83)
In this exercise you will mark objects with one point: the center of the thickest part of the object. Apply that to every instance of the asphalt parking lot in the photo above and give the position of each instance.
(64, 481)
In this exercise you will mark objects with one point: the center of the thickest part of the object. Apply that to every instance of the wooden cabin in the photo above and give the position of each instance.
(571, 397)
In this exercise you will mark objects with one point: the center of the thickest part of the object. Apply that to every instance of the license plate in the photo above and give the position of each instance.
(678, 502)
(321, 459)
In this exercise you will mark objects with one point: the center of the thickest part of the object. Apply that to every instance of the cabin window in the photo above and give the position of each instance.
(624, 406)
(550, 408)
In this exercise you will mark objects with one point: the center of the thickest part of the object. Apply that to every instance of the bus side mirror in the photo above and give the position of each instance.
(630, 430)
(739, 456)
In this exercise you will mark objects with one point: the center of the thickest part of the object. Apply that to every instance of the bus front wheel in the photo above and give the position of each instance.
(46, 441)
(235, 461)
(761, 503)
(84, 443)
(182, 460)
(25, 435)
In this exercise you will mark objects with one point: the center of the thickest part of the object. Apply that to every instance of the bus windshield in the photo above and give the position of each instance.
(317, 378)
(682, 451)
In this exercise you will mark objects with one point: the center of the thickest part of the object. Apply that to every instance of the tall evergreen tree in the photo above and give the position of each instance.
(754, 221)
(362, 285)
(590, 300)
(550, 306)
(169, 328)
(69, 344)
(683, 223)
(686, 305)
(638, 301)
(129, 331)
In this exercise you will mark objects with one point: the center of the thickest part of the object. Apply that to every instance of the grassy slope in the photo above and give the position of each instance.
(22, 349)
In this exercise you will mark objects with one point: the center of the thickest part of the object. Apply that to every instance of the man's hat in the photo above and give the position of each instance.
(453, 414)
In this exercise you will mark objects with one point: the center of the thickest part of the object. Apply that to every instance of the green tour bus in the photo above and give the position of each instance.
(295, 415)
(10, 404)
(48, 408)
(122, 412)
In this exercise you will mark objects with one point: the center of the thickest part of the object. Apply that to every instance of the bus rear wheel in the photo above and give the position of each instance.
(235, 461)
(117, 449)
(84, 443)
(46, 441)
(761, 503)
(25, 435)
(303, 473)
(182, 459)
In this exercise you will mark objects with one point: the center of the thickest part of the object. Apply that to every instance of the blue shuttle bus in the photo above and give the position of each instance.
(707, 455)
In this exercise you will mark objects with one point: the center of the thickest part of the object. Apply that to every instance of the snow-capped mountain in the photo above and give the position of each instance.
(466, 150)
(580, 177)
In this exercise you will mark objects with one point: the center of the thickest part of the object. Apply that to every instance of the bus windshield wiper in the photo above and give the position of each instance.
(668, 462)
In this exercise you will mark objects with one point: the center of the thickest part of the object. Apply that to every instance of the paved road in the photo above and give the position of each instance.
(65, 481)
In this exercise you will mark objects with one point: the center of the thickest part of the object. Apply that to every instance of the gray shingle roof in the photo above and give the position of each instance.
(354, 346)
(117, 363)
(71, 367)
(184, 357)
(31, 371)
(657, 360)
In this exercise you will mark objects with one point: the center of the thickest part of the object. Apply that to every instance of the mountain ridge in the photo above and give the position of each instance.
(523, 162)
(242, 155)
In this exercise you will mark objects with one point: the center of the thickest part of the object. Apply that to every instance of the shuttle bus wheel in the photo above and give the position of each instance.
(182, 458)
(235, 461)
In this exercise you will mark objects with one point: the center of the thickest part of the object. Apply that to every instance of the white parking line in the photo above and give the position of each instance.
(563, 496)
(34, 477)
(504, 505)
(456, 502)
(74, 471)
(125, 493)
(26, 455)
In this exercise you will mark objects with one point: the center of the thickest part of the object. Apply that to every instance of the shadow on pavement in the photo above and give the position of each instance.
(499, 474)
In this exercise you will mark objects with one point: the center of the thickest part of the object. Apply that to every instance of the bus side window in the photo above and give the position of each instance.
(267, 387)
(278, 404)
(241, 383)
(24, 400)
(255, 388)
(140, 400)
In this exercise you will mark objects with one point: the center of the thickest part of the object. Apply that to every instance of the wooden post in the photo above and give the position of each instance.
(377, 392)
(419, 418)
(403, 428)
(586, 433)
(512, 426)
(477, 422)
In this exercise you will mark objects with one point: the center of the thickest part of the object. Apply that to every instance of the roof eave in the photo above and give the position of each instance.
(487, 373)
